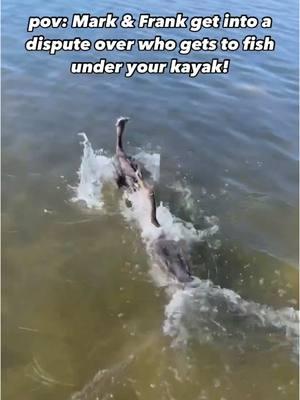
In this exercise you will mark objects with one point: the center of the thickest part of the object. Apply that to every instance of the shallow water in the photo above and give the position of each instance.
(86, 312)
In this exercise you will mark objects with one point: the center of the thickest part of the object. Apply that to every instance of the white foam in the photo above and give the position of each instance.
(151, 162)
(206, 312)
(200, 310)
(186, 192)
(95, 169)
(173, 228)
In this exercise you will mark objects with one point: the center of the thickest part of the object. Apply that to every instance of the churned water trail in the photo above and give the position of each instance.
(199, 311)
(207, 313)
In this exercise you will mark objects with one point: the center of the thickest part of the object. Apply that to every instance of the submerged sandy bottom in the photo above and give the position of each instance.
(86, 312)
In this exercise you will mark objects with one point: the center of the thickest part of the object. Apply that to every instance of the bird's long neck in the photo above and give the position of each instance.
(151, 197)
(120, 131)
(153, 209)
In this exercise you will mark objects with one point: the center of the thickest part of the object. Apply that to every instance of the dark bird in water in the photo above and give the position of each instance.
(168, 253)
(128, 171)
(126, 167)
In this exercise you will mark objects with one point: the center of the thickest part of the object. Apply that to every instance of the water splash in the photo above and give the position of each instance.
(172, 227)
(151, 162)
(201, 310)
(209, 313)
(95, 169)
(186, 195)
